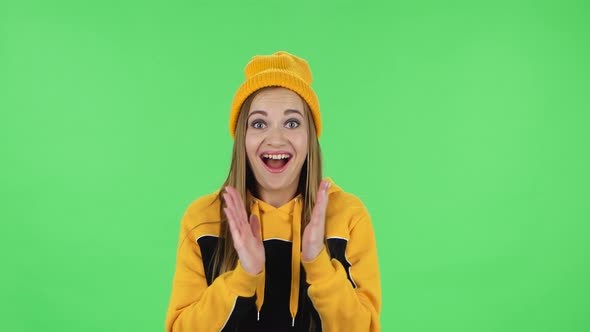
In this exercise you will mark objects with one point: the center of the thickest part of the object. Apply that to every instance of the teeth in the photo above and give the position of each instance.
(275, 156)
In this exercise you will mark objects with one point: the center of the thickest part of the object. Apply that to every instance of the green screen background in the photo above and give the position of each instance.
(462, 125)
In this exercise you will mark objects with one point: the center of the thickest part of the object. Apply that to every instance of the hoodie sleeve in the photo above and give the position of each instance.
(348, 299)
(194, 306)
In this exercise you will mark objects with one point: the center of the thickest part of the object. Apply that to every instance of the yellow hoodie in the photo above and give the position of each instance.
(340, 290)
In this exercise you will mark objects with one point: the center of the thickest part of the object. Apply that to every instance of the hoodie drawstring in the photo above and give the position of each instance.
(260, 287)
(295, 259)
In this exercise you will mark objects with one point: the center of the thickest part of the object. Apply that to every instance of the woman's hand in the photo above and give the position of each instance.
(246, 235)
(312, 241)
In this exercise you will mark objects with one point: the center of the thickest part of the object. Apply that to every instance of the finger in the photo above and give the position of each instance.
(326, 187)
(227, 197)
(317, 216)
(325, 194)
(236, 206)
(240, 206)
(322, 191)
(319, 210)
(255, 226)
(231, 204)
(232, 225)
(325, 200)
(228, 201)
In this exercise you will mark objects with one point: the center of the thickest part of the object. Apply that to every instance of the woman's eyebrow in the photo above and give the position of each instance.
(257, 112)
(289, 111)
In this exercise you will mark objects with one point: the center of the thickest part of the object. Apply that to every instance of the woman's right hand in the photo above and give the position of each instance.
(246, 236)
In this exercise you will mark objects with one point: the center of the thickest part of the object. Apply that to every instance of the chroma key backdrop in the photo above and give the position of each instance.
(464, 127)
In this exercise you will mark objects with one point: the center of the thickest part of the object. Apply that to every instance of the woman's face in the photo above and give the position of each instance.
(276, 138)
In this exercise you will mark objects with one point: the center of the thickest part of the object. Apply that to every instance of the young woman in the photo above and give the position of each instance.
(277, 248)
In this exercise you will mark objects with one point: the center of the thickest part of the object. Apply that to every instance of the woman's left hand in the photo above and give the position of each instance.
(312, 241)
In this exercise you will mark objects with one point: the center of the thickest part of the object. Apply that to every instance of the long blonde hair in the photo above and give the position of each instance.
(242, 179)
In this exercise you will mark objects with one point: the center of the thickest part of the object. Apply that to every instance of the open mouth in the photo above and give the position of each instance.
(276, 162)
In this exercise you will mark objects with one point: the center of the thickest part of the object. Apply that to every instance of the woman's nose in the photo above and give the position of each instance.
(276, 136)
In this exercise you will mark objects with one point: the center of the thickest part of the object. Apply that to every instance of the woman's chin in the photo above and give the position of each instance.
(278, 183)
(275, 185)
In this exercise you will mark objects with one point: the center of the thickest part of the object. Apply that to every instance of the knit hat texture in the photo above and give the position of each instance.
(279, 69)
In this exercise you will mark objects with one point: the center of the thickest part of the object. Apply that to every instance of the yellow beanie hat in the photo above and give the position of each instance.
(279, 69)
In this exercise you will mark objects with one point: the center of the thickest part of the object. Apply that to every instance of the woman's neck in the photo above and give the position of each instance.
(278, 198)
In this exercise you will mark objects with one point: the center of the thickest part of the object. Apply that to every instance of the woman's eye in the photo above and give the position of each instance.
(291, 124)
(258, 124)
